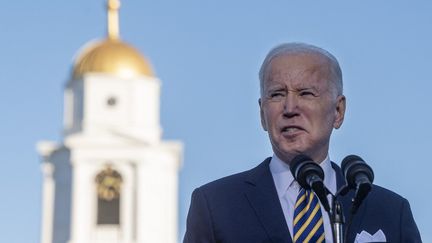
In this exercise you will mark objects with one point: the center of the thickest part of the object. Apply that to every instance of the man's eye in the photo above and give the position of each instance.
(276, 95)
(306, 93)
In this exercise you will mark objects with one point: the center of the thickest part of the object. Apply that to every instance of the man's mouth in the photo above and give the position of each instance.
(292, 129)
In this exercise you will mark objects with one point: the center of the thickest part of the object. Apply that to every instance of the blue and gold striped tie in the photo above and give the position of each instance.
(308, 220)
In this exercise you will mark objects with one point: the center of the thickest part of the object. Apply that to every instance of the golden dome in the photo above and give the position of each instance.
(111, 56)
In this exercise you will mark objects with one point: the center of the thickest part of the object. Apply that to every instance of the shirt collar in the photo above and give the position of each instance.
(281, 175)
(329, 175)
(283, 178)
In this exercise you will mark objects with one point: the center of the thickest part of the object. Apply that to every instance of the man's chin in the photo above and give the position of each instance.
(288, 157)
(291, 152)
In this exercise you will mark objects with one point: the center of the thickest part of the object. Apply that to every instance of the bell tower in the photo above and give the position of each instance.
(112, 178)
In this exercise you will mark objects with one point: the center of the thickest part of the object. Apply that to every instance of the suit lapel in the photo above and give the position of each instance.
(264, 200)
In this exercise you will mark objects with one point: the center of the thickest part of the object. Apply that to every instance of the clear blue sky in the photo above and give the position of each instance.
(207, 54)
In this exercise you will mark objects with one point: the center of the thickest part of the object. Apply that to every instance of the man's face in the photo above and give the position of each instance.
(299, 106)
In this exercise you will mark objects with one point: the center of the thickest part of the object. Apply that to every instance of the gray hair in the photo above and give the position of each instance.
(303, 48)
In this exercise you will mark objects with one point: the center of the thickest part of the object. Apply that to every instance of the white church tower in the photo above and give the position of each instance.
(112, 179)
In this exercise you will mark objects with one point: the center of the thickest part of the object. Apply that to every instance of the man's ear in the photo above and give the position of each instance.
(340, 111)
(263, 122)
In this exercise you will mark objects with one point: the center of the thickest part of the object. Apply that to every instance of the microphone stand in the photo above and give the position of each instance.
(336, 215)
(337, 220)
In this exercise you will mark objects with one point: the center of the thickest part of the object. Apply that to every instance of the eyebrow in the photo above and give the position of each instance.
(275, 88)
(314, 87)
(300, 88)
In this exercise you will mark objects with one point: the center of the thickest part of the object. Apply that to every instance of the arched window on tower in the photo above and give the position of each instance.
(108, 185)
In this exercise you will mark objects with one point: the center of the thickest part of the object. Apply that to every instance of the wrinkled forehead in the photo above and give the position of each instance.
(298, 68)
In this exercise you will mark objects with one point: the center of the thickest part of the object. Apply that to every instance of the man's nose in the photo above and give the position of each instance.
(291, 105)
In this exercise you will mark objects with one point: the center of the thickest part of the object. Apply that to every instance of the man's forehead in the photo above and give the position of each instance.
(313, 73)
(300, 62)
(295, 71)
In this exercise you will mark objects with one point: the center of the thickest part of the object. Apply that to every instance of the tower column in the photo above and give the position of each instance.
(128, 203)
(48, 202)
(82, 205)
(157, 196)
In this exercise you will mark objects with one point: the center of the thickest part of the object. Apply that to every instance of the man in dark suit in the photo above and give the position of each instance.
(301, 103)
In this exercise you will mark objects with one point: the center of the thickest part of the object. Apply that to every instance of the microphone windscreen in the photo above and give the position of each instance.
(296, 163)
(303, 169)
(349, 159)
(353, 166)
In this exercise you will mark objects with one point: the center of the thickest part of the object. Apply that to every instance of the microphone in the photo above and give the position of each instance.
(359, 176)
(310, 176)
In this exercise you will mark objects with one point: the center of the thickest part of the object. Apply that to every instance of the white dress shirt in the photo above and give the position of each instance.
(288, 189)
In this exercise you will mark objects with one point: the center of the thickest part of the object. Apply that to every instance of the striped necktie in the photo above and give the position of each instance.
(308, 220)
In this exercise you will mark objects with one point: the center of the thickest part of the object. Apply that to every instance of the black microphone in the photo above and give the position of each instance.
(310, 176)
(359, 176)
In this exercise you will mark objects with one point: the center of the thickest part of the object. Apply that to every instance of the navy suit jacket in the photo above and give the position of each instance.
(245, 208)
